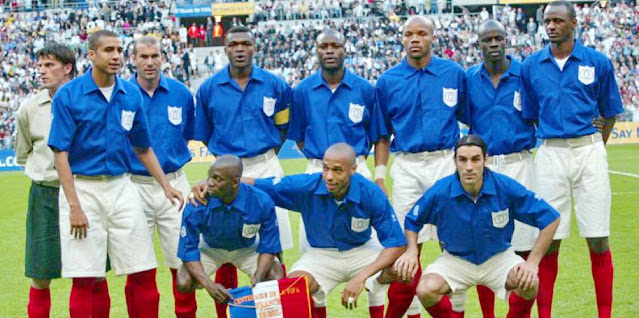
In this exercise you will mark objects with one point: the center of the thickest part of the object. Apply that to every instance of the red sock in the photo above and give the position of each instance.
(147, 299)
(401, 295)
(602, 273)
(101, 300)
(415, 316)
(458, 314)
(81, 299)
(442, 309)
(486, 300)
(226, 276)
(317, 312)
(519, 307)
(129, 296)
(185, 304)
(39, 303)
(376, 311)
(547, 277)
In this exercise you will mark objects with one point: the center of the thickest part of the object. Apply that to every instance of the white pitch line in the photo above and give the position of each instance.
(622, 193)
(627, 174)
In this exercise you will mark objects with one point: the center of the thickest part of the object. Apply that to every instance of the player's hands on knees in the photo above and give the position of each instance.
(380, 183)
(406, 265)
(526, 275)
(352, 290)
(198, 194)
(219, 293)
(79, 222)
(175, 196)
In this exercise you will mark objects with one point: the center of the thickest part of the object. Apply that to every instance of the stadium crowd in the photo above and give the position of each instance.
(286, 48)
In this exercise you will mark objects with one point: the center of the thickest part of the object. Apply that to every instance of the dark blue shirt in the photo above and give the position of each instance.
(478, 230)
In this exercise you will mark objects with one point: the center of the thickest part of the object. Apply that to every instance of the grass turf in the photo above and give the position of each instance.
(574, 291)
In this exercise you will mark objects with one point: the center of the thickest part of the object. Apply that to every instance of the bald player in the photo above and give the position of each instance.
(421, 100)
(335, 105)
(493, 95)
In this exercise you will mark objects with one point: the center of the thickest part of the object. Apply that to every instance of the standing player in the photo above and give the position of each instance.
(564, 87)
(96, 118)
(243, 111)
(168, 105)
(56, 64)
(421, 100)
(225, 230)
(473, 210)
(493, 97)
(334, 105)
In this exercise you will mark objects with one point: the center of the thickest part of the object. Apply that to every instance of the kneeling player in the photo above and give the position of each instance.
(474, 210)
(229, 223)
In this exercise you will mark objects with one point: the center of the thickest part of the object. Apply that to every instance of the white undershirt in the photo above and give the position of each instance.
(562, 62)
(339, 202)
(107, 92)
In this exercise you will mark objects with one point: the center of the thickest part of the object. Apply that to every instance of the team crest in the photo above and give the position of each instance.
(500, 218)
(127, 119)
(175, 115)
(355, 113)
(269, 106)
(359, 225)
(586, 74)
(416, 210)
(249, 230)
(449, 95)
(517, 101)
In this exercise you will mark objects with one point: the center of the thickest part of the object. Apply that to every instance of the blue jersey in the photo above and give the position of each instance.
(96, 133)
(244, 123)
(495, 113)
(565, 102)
(230, 227)
(475, 231)
(330, 224)
(421, 107)
(321, 118)
(170, 114)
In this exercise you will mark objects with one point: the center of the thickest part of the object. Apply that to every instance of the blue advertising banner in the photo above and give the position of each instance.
(193, 10)
(8, 161)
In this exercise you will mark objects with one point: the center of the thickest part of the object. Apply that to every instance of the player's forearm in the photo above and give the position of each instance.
(385, 259)
(264, 262)
(608, 124)
(382, 152)
(196, 270)
(411, 240)
(150, 161)
(65, 176)
(543, 242)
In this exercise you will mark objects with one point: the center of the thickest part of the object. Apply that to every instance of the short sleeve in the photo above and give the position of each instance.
(529, 103)
(609, 99)
(385, 222)
(422, 213)
(139, 135)
(202, 128)
(62, 125)
(529, 208)
(188, 250)
(269, 232)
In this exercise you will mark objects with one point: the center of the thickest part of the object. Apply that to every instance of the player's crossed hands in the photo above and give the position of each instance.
(526, 275)
(406, 265)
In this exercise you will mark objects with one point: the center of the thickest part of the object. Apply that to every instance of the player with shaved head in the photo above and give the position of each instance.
(421, 101)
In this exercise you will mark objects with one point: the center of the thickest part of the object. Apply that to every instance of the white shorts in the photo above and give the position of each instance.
(413, 174)
(579, 171)
(461, 274)
(244, 258)
(264, 166)
(117, 226)
(161, 214)
(330, 267)
(520, 167)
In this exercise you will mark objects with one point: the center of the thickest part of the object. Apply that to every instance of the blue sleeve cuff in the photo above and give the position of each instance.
(189, 256)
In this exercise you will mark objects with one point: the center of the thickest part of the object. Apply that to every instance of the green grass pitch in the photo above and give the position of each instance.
(574, 292)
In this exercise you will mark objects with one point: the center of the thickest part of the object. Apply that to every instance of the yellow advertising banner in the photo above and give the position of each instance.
(199, 152)
(232, 8)
(624, 133)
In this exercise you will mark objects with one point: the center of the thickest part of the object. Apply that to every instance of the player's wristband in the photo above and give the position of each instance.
(380, 172)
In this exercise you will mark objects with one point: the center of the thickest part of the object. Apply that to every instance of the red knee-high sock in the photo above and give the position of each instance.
(547, 277)
(226, 276)
(400, 296)
(81, 299)
(317, 312)
(414, 316)
(519, 307)
(442, 309)
(101, 300)
(147, 299)
(456, 314)
(602, 273)
(486, 301)
(185, 304)
(129, 296)
(39, 303)
(376, 311)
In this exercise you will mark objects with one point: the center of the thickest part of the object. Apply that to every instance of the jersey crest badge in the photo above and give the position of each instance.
(127, 119)
(175, 115)
(586, 74)
(355, 113)
(250, 230)
(269, 106)
(359, 225)
(517, 101)
(500, 218)
(449, 95)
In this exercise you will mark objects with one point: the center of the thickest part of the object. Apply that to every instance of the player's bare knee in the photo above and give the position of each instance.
(431, 287)
(184, 282)
(313, 287)
(598, 245)
(40, 283)
(275, 272)
(528, 294)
